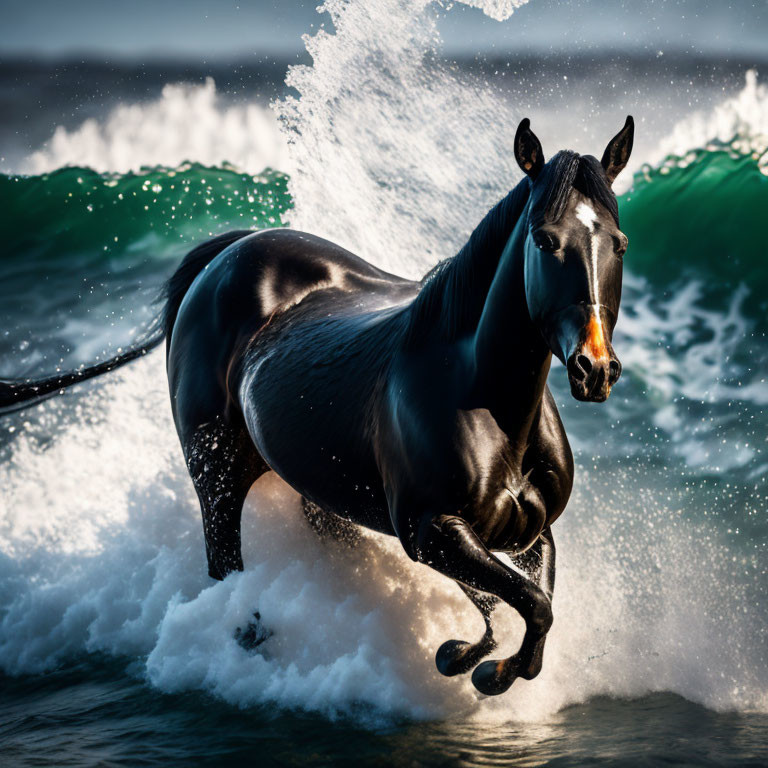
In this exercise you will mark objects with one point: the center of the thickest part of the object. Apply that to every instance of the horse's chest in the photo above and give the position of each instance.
(505, 507)
(509, 515)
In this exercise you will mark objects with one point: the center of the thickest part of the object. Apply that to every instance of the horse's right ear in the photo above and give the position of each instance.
(616, 155)
(528, 151)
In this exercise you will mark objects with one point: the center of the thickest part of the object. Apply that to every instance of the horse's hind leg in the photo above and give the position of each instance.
(455, 657)
(223, 463)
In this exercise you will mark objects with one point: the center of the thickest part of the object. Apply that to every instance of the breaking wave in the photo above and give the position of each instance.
(661, 574)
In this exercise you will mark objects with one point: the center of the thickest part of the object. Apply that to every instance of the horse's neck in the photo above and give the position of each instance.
(479, 295)
(511, 359)
(452, 298)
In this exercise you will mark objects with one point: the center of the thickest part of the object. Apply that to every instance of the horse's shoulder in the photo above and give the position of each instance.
(423, 391)
(427, 436)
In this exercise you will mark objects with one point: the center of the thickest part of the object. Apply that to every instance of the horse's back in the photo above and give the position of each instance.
(253, 280)
(284, 265)
(289, 330)
(270, 271)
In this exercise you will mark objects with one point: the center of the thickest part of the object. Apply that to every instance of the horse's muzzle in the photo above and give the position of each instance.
(580, 336)
(592, 377)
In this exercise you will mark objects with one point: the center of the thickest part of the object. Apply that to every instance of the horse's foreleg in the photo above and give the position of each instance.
(223, 463)
(448, 544)
(455, 657)
(539, 563)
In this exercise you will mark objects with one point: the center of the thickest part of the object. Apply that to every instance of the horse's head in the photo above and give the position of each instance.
(574, 256)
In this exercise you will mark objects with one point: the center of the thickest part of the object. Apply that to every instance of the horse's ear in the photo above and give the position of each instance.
(616, 155)
(528, 151)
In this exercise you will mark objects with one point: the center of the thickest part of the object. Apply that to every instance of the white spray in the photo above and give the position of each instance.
(397, 157)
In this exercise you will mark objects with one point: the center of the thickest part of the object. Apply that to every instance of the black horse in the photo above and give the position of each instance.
(416, 409)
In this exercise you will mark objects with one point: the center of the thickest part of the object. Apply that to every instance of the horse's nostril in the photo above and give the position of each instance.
(584, 363)
(574, 370)
(614, 370)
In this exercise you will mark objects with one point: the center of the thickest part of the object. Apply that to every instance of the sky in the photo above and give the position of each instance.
(223, 29)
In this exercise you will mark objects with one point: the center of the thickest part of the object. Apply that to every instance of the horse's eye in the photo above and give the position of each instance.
(620, 244)
(546, 241)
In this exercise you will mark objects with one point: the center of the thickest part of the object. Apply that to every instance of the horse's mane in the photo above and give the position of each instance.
(453, 293)
(565, 171)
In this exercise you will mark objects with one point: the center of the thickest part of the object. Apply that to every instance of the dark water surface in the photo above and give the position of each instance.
(92, 714)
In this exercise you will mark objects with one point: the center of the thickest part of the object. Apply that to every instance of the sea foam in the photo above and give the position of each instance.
(102, 551)
(100, 530)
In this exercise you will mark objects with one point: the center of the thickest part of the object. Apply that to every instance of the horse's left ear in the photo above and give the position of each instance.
(528, 151)
(616, 155)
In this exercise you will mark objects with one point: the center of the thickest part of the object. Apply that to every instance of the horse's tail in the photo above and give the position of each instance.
(18, 394)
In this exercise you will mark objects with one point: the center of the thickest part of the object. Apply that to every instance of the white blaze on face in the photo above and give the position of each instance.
(595, 337)
(586, 215)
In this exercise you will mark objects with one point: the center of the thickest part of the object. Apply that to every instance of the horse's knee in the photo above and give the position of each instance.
(536, 610)
(437, 539)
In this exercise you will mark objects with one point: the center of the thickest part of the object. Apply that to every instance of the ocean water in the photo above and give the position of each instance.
(115, 646)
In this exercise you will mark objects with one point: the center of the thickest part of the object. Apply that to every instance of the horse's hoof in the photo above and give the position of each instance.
(452, 658)
(493, 677)
(254, 634)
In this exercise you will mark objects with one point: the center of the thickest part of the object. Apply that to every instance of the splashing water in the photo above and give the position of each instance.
(395, 154)
(379, 155)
